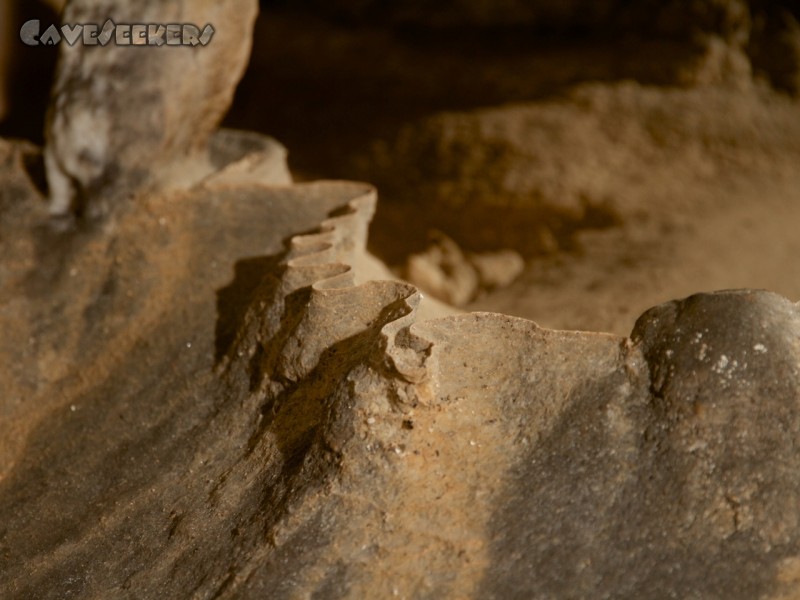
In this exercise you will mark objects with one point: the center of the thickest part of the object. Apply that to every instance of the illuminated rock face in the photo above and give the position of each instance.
(218, 392)
(127, 118)
(203, 401)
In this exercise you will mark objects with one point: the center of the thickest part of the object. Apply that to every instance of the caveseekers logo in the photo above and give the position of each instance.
(122, 34)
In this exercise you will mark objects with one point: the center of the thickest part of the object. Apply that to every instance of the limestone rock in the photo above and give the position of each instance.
(246, 156)
(444, 271)
(454, 277)
(205, 401)
(497, 269)
(144, 116)
(220, 397)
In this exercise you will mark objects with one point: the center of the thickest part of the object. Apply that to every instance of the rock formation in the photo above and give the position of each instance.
(212, 389)
(193, 408)
(124, 118)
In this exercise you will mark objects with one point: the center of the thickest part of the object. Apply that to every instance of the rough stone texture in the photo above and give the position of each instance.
(219, 393)
(204, 402)
(497, 269)
(141, 118)
(444, 271)
(456, 278)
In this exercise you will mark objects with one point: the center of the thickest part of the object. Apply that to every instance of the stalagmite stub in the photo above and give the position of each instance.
(127, 117)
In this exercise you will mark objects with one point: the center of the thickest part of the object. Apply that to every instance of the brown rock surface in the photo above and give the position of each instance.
(456, 278)
(197, 409)
(143, 118)
(218, 392)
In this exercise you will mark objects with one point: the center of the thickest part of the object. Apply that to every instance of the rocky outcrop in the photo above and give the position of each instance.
(141, 119)
(219, 393)
(455, 277)
(198, 408)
